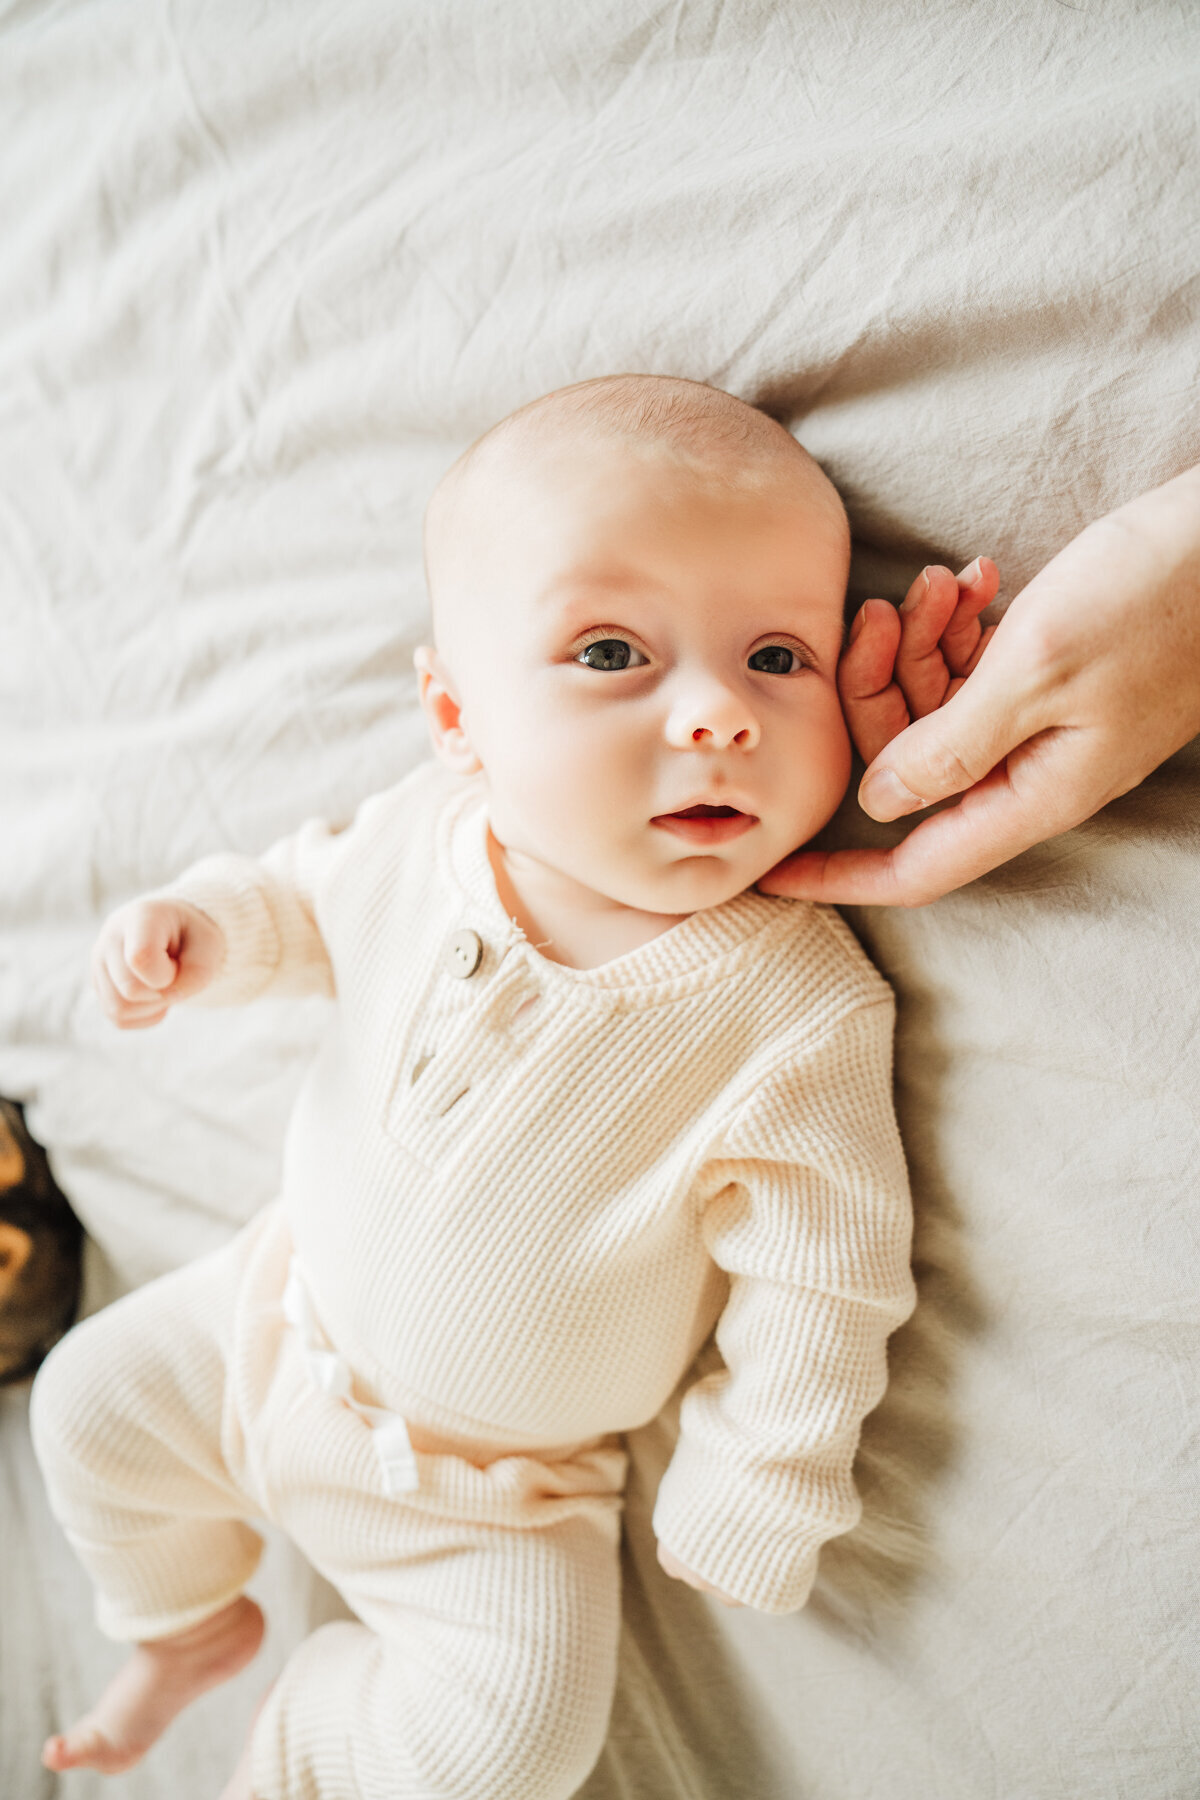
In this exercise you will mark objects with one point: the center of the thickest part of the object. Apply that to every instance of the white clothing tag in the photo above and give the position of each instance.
(332, 1374)
(396, 1456)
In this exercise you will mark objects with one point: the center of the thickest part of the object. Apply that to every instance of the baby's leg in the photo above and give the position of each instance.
(483, 1670)
(160, 1678)
(127, 1418)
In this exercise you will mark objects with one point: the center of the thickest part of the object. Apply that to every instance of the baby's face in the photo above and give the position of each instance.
(645, 660)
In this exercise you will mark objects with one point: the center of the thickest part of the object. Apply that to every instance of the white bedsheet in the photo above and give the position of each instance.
(265, 271)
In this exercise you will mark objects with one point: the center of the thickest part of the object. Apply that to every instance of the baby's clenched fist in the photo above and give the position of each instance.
(151, 953)
(677, 1570)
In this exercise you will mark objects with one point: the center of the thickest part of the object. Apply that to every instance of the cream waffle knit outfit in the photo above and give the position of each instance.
(516, 1198)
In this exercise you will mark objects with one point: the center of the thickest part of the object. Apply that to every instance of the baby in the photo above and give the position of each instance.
(585, 1094)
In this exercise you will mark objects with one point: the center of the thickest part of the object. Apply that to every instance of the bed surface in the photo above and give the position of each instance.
(266, 272)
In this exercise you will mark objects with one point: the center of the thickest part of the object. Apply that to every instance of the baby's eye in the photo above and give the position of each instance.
(610, 653)
(774, 659)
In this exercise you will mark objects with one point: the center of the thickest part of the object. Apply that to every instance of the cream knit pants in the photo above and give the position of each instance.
(484, 1665)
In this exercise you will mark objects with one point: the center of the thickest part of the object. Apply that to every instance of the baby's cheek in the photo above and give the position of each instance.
(829, 751)
(820, 777)
(549, 798)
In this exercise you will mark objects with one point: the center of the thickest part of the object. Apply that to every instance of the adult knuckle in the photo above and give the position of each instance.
(908, 887)
(1042, 646)
(948, 769)
(1044, 650)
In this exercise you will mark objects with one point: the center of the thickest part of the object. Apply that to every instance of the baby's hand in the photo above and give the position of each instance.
(151, 953)
(674, 1567)
(900, 665)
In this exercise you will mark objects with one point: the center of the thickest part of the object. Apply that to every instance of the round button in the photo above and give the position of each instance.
(463, 954)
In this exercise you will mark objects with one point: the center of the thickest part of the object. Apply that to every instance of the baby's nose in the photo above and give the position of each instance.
(714, 715)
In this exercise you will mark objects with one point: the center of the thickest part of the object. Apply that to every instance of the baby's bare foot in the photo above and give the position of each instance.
(159, 1680)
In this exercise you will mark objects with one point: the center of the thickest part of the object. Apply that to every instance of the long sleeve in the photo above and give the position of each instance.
(811, 1220)
(268, 911)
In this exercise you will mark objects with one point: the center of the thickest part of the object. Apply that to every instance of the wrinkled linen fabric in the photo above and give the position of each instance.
(265, 274)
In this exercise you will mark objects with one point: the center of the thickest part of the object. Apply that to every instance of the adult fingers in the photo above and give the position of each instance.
(951, 750)
(992, 823)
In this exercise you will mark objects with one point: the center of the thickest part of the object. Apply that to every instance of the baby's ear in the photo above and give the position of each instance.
(443, 714)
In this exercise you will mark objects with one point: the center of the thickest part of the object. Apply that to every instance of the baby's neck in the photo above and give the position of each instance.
(565, 921)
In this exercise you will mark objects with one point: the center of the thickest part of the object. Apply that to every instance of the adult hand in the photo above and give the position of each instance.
(1090, 680)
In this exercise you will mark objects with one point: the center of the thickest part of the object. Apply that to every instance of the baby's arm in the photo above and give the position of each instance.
(672, 1566)
(812, 1223)
(230, 928)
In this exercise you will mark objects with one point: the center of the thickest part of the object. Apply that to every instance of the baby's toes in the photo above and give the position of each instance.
(85, 1748)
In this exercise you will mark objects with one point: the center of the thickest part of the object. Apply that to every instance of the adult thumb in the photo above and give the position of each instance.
(947, 751)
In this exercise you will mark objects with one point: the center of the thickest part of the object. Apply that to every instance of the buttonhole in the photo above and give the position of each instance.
(520, 1011)
(453, 1102)
(422, 1063)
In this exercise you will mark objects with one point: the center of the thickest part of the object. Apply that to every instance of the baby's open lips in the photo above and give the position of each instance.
(707, 812)
(706, 824)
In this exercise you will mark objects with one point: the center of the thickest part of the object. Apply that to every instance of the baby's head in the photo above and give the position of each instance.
(637, 589)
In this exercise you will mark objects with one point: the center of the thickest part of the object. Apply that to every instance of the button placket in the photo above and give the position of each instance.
(465, 1037)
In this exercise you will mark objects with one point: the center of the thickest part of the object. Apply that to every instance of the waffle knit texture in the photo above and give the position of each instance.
(521, 1199)
(484, 1657)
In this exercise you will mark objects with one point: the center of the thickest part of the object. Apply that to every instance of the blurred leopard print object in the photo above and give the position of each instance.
(41, 1246)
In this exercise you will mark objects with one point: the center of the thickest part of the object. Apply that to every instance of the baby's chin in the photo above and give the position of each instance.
(693, 884)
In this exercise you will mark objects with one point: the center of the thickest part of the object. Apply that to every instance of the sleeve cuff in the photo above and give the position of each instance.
(224, 888)
(715, 1521)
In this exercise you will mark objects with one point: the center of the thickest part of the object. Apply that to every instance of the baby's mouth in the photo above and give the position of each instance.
(705, 824)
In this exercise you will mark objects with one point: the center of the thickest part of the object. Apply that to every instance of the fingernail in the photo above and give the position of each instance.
(970, 574)
(884, 796)
(856, 624)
